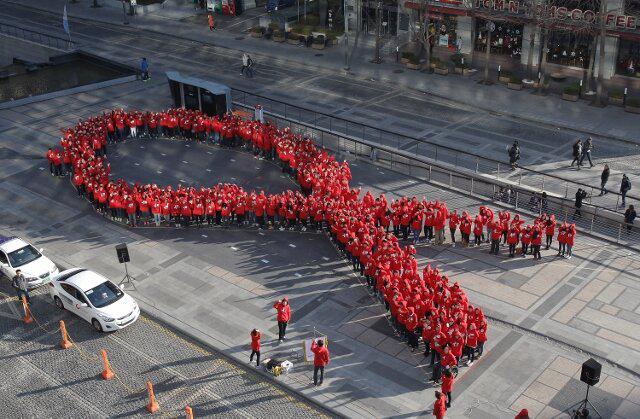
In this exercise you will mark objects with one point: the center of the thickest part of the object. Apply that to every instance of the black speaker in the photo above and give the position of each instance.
(123, 253)
(590, 373)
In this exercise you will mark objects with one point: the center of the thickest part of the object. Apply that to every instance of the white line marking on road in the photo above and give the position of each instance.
(142, 147)
(187, 145)
(292, 245)
(185, 162)
(208, 170)
(136, 164)
(298, 275)
(325, 258)
(264, 261)
(204, 235)
(232, 159)
(234, 248)
(159, 172)
(208, 152)
(41, 168)
(261, 233)
(162, 154)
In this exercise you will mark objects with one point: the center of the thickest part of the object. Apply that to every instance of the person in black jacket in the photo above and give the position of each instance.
(625, 186)
(604, 178)
(580, 195)
(577, 153)
(514, 155)
(629, 216)
(586, 152)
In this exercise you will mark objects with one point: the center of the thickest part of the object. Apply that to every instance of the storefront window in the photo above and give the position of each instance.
(628, 63)
(446, 26)
(570, 48)
(506, 39)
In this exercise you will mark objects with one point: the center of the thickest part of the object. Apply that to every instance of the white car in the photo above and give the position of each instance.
(94, 298)
(16, 253)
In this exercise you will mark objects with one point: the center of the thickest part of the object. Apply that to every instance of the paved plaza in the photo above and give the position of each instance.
(203, 290)
(215, 285)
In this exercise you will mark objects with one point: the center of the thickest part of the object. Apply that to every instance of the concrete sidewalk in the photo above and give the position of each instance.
(608, 122)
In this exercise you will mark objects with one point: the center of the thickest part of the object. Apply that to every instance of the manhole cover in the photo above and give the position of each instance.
(239, 38)
(319, 55)
(397, 71)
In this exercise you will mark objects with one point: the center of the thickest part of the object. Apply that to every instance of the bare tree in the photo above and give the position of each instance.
(419, 26)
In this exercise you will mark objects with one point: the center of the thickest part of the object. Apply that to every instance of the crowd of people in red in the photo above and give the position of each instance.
(423, 304)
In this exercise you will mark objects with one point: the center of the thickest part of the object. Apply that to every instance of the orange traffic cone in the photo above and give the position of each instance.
(66, 343)
(152, 406)
(27, 311)
(107, 373)
(189, 412)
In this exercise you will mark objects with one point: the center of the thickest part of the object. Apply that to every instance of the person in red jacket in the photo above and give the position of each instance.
(524, 414)
(550, 227)
(471, 343)
(440, 406)
(454, 221)
(320, 360)
(255, 346)
(284, 315)
(571, 235)
(447, 386)
(512, 240)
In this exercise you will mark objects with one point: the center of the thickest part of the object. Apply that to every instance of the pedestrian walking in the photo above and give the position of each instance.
(255, 346)
(284, 315)
(580, 195)
(586, 152)
(21, 285)
(629, 217)
(625, 186)
(514, 155)
(604, 178)
(447, 386)
(440, 406)
(144, 69)
(212, 22)
(320, 360)
(247, 64)
(577, 153)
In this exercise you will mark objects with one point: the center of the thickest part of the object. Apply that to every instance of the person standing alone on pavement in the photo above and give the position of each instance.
(144, 69)
(514, 155)
(284, 315)
(586, 152)
(255, 346)
(625, 186)
(21, 285)
(440, 406)
(604, 178)
(577, 153)
(320, 360)
(212, 22)
(629, 216)
(580, 195)
(247, 62)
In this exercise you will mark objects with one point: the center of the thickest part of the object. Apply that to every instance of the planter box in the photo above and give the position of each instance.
(278, 38)
(632, 109)
(404, 60)
(334, 41)
(317, 46)
(514, 86)
(504, 79)
(462, 71)
(293, 39)
(572, 98)
(615, 101)
(441, 71)
(412, 66)
(256, 34)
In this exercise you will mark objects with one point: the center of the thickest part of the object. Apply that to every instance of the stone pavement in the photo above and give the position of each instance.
(218, 284)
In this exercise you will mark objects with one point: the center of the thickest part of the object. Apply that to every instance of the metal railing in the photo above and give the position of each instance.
(37, 37)
(592, 219)
(523, 178)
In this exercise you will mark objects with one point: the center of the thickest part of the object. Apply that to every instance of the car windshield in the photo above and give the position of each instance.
(23, 256)
(104, 294)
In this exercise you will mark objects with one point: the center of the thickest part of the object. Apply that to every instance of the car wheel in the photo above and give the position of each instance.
(58, 302)
(96, 325)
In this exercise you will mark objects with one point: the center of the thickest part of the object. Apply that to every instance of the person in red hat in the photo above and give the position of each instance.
(284, 315)
(255, 346)
(320, 360)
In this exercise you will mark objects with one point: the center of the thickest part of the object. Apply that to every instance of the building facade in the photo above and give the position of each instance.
(519, 29)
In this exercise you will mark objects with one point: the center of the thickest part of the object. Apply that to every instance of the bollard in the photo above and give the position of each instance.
(152, 406)
(107, 373)
(189, 412)
(27, 311)
(66, 343)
